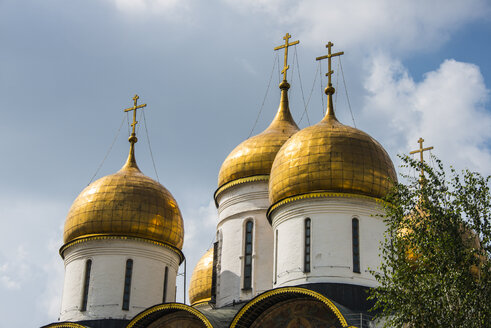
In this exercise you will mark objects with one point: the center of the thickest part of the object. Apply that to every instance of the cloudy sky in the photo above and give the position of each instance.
(69, 68)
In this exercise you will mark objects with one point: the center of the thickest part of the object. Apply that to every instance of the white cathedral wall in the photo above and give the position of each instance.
(331, 241)
(107, 277)
(237, 205)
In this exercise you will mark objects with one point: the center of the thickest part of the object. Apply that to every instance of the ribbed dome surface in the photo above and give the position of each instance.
(332, 157)
(126, 203)
(255, 155)
(200, 285)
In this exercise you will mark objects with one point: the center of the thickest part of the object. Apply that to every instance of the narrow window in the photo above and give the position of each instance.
(127, 284)
(248, 256)
(307, 246)
(166, 277)
(85, 295)
(356, 244)
(214, 274)
(276, 257)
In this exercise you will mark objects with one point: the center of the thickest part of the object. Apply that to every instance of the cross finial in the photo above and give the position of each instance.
(329, 89)
(329, 70)
(420, 151)
(286, 45)
(133, 139)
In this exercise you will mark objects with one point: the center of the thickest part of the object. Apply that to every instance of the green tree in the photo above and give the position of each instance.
(436, 268)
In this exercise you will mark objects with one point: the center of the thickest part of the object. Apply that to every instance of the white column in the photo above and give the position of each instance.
(107, 274)
(236, 206)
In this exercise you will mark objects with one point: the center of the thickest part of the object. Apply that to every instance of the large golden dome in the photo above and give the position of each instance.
(200, 286)
(254, 156)
(330, 157)
(127, 204)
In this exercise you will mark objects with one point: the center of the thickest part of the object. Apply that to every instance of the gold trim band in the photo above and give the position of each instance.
(64, 325)
(170, 306)
(101, 236)
(320, 194)
(254, 178)
(283, 290)
(204, 300)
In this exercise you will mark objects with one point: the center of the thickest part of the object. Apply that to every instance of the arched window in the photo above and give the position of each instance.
(355, 231)
(248, 255)
(166, 277)
(85, 293)
(127, 284)
(306, 267)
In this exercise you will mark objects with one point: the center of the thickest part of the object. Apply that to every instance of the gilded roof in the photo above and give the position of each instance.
(126, 203)
(200, 285)
(330, 156)
(255, 155)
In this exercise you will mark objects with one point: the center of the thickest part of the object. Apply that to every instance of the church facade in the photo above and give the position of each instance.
(298, 230)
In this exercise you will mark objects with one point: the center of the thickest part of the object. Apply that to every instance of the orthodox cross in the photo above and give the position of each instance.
(329, 56)
(286, 45)
(420, 151)
(135, 122)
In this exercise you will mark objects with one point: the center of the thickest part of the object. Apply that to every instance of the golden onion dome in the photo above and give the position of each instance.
(127, 204)
(200, 286)
(254, 156)
(330, 157)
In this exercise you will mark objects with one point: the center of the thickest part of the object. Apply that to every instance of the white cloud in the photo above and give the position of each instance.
(395, 25)
(145, 4)
(14, 270)
(170, 8)
(49, 301)
(200, 223)
(446, 108)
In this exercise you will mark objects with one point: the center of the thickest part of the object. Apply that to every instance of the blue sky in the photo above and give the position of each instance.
(68, 69)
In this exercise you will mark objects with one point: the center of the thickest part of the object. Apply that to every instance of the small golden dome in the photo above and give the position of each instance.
(330, 157)
(126, 203)
(200, 286)
(255, 155)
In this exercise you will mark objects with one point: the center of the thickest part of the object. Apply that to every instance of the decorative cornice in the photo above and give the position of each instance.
(236, 182)
(64, 325)
(320, 194)
(170, 306)
(293, 290)
(106, 236)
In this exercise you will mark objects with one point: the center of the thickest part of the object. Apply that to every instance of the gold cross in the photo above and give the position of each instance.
(286, 45)
(420, 151)
(329, 56)
(135, 122)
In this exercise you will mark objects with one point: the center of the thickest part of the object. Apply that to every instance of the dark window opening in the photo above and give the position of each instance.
(306, 267)
(85, 294)
(276, 257)
(166, 277)
(356, 245)
(248, 256)
(214, 274)
(127, 284)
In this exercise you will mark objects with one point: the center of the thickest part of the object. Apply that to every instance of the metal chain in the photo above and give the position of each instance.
(265, 96)
(108, 151)
(337, 83)
(310, 96)
(301, 87)
(150, 147)
(346, 90)
(322, 92)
